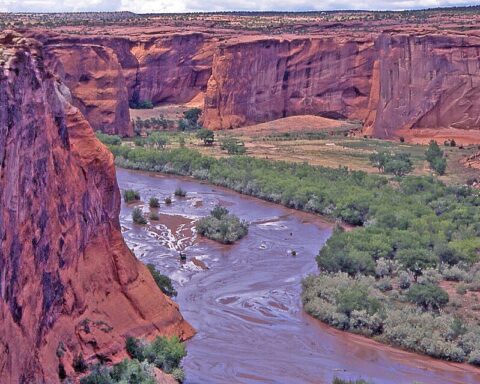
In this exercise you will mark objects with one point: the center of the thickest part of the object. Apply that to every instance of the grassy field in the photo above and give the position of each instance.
(330, 143)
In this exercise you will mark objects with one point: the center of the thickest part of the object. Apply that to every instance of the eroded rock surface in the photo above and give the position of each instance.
(68, 283)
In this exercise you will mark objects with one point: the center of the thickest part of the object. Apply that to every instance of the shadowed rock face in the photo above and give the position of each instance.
(68, 282)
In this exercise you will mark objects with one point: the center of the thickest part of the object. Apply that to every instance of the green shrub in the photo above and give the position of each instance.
(222, 226)
(435, 157)
(163, 281)
(398, 164)
(232, 145)
(154, 202)
(134, 348)
(178, 374)
(219, 212)
(137, 216)
(165, 353)
(108, 139)
(130, 195)
(98, 375)
(428, 296)
(153, 216)
(180, 192)
(133, 372)
(336, 380)
(141, 104)
(206, 135)
(168, 200)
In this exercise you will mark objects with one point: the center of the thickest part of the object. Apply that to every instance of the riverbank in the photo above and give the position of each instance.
(394, 234)
(246, 307)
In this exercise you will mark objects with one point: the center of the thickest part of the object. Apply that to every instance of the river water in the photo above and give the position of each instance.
(244, 299)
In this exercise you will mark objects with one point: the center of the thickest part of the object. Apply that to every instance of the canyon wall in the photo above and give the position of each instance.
(429, 81)
(393, 81)
(265, 79)
(104, 73)
(69, 285)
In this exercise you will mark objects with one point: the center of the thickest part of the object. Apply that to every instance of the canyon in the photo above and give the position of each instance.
(399, 80)
(70, 288)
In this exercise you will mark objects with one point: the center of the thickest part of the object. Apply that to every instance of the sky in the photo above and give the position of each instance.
(146, 6)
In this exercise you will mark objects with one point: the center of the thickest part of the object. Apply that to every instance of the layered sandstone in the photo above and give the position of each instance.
(398, 82)
(68, 283)
(424, 81)
(104, 73)
(258, 80)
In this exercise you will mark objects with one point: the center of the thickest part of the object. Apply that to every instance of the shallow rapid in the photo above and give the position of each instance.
(244, 299)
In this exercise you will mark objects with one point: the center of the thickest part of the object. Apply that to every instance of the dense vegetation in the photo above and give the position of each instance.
(410, 231)
(405, 315)
(164, 353)
(222, 226)
(108, 139)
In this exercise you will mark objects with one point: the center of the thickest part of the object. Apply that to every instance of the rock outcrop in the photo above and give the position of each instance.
(69, 285)
(424, 81)
(105, 74)
(258, 80)
(96, 81)
(396, 81)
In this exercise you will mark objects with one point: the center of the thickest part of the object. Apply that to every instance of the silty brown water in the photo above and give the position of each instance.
(246, 306)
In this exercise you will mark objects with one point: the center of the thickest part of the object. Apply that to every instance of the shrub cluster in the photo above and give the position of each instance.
(130, 195)
(232, 145)
(165, 353)
(163, 281)
(357, 304)
(435, 157)
(222, 226)
(108, 139)
(128, 371)
(398, 164)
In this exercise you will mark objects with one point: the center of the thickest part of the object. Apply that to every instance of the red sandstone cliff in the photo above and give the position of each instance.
(68, 282)
(426, 81)
(105, 73)
(397, 82)
(264, 79)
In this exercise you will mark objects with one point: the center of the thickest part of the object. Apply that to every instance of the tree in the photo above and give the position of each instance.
(416, 260)
(378, 160)
(157, 140)
(192, 115)
(428, 296)
(398, 164)
(206, 135)
(434, 156)
(233, 146)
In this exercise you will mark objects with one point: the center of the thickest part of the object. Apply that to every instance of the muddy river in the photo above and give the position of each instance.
(244, 299)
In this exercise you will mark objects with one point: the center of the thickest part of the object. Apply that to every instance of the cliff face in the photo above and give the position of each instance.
(393, 81)
(260, 80)
(95, 79)
(68, 282)
(430, 81)
(105, 73)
